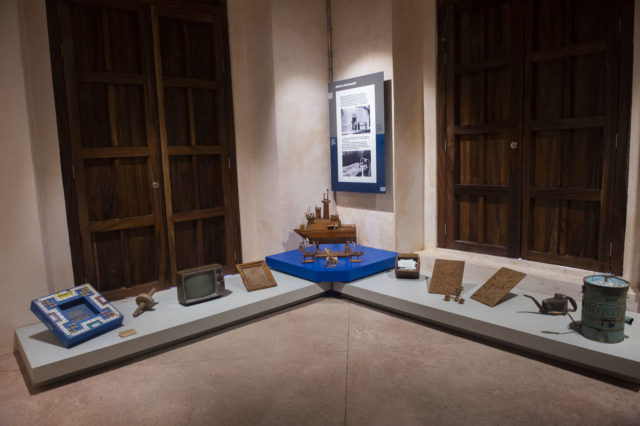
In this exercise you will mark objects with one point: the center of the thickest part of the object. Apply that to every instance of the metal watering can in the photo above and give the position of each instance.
(556, 305)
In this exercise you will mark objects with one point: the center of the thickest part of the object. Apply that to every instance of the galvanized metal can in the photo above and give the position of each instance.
(604, 305)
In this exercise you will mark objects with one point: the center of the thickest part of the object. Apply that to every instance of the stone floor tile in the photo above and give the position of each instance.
(315, 326)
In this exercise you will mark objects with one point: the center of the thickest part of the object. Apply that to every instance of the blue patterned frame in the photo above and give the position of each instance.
(51, 311)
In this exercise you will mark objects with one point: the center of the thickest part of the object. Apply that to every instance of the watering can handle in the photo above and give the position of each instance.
(573, 303)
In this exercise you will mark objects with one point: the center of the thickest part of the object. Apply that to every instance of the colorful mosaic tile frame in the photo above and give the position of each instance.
(71, 331)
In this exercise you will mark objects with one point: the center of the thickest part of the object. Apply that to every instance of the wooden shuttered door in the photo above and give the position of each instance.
(483, 124)
(532, 117)
(193, 99)
(148, 139)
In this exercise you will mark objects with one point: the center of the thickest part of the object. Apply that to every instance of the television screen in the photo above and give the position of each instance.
(200, 284)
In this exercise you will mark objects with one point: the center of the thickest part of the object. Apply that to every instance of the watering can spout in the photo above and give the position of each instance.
(536, 302)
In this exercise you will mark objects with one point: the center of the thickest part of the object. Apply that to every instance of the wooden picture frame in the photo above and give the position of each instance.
(256, 275)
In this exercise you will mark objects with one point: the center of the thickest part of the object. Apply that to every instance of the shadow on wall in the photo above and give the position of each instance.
(293, 241)
(378, 202)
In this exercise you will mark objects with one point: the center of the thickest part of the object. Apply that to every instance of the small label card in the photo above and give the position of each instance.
(127, 333)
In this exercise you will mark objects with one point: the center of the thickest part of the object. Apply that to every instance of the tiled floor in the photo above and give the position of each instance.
(327, 361)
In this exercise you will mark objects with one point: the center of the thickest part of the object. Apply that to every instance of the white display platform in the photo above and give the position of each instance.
(46, 360)
(514, 322)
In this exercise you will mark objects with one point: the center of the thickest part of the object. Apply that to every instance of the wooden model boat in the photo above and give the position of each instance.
(326, 229)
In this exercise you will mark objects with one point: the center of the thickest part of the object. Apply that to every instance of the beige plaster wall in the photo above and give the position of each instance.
(45, 145)
(429, 35)
(279, 76)
(254, 113)
(23, 274)
(302, 111)
(408, 128)
(362, 44)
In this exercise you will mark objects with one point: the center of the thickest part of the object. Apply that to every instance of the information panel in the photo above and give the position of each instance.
(356, 117)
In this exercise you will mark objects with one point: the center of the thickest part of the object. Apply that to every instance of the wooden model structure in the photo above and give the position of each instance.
(327, 229)
(310, 257)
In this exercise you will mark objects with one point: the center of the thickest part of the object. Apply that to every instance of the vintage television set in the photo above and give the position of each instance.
(201, 283)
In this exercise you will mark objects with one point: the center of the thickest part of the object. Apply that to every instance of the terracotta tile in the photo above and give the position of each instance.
(293, 389)
(471, 382)
(315, 327)
(293, 367)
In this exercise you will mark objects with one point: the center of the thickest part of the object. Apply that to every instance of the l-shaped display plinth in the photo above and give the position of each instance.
(513, 322)
(47, 360)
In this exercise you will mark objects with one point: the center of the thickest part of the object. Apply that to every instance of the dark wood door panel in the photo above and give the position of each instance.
(569, 159)
(561, 23)
(569, 132)
(558, 227)
(113, 139)
(146, 134)
(126, 258)
(482, 125)
(196, 146)
(483, 219)
(482, 159)
(530, 100)
(201, 242)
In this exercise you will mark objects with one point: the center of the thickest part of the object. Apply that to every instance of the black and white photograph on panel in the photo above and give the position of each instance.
(356, 163)
(356, 119)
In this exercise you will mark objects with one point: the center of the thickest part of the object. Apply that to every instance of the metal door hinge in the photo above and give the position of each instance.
(610, 249)
(445, 145)
(73, 171)
(229, 163)
(235, 255)
(445, 229)
(615, 145)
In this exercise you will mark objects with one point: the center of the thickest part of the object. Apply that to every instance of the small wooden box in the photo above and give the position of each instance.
(408, 273)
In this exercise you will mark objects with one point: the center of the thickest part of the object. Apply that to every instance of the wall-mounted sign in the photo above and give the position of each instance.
(356, 117)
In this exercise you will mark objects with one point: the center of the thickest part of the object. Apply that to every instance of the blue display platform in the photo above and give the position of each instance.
(373, 261)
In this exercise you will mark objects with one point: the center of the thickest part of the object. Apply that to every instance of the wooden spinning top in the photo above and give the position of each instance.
(145, 302)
